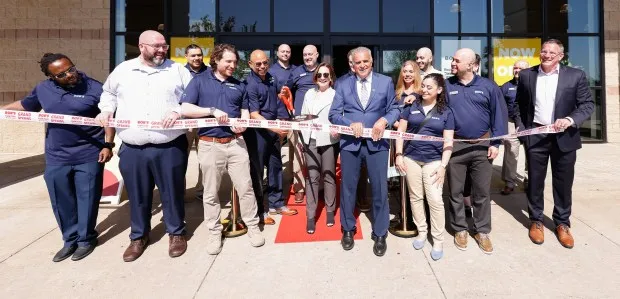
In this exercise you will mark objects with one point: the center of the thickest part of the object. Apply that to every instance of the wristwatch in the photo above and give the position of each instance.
(109, 145)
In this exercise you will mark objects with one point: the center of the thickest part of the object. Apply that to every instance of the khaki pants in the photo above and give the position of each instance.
(192, 140)
(511, 158)
(420, 183)
(297, 158)
(215, 159)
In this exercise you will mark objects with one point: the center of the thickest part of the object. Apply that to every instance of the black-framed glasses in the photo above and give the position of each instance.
(61, 75)
(324, 75)
(163, 46)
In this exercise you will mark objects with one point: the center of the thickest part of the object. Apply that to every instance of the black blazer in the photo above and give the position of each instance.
(572, 98)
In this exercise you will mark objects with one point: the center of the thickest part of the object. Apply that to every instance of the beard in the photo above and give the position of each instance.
(157, 61)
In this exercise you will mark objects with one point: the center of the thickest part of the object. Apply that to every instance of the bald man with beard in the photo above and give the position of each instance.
(264, 144)
(149, 88)
(479, 112)
(424, 59)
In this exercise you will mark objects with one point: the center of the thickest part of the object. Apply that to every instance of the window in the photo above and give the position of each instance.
(126, 47)
(129, 15)
(573, 16)
(243, 69)
(406, 16)
(298, 15)
(354, 16)
(469, 15)
(446, 46)
(516, 16)
(583, 52)
(192, 16)
(245, 16)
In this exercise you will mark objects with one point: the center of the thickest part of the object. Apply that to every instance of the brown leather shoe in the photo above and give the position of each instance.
(537, 233)
(484, 242)
(177, 245)
(460, 240)
(284, 211)
(299, 197)
(564, 236)
(267, 220)
(135, 249)
(507, 190)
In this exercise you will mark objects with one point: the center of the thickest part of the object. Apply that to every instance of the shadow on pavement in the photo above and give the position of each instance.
(19, 170)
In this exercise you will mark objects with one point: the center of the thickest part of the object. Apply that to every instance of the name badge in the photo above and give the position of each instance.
(230, 84)
(478, 91)
(512, 88)
(302, 74)
(435, 117)
(454, 92)
(79, 96)
(415, 112)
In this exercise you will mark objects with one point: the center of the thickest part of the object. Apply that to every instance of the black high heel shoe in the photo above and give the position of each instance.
(310, 226)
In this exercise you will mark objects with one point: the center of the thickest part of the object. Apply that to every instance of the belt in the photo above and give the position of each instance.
(485, 135)
(222, 140)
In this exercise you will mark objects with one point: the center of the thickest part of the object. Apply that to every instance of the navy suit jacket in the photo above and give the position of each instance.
(347, 109)
(572, 98)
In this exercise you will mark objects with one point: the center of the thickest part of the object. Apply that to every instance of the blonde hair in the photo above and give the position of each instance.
(417, 79)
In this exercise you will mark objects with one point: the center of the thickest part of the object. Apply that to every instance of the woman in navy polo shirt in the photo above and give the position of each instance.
(74, 155)
(425, 162)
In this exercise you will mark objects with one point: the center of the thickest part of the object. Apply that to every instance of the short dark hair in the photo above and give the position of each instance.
(332, 74)
(555, 41)
(193, 46)
(48, 58)
(218, 53)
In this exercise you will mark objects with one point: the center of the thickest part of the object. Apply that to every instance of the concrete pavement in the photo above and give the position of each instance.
(518, 268)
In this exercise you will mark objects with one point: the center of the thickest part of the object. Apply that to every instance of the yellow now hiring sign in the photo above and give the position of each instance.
(178, 45)
(507, 51)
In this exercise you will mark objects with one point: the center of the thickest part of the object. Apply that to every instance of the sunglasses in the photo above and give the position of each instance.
(324, 75)
(72, 70)
(259, 63)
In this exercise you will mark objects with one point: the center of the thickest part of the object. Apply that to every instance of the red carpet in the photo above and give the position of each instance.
(292, 229)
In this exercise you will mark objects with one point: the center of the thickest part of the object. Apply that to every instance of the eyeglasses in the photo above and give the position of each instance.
(551, 54)
(324, 75)
(61, 75)
(259, 63)
(163, 47)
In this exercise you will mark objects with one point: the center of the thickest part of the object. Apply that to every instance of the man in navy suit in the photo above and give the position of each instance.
(365, 100)
(544, 99)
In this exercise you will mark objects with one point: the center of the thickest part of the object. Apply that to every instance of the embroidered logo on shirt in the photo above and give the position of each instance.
(79, 96)
(512, 88)
(454, 92)
(415, 112)
(435, 117)
(302, 74)
(230, 84)
(479, 91)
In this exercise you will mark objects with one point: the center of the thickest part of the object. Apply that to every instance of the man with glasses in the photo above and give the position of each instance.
(542, 100)
(149, 88)
(300, 81)
(262, 97)
(74, 155)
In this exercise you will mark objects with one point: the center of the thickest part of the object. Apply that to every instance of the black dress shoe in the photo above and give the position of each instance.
(380, 245)
(64, 253)
(347, 240)
(83, 251)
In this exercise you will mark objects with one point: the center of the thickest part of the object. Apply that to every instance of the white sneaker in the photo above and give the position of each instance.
(214, 244)
(256, 237)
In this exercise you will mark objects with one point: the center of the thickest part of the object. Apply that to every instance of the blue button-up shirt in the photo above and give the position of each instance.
(69, 144)
(203, 67)
(509, 90)
(478, 108)
(300, 82)
(262, 95)
(425, 151)
(207, 90)
(281, 74)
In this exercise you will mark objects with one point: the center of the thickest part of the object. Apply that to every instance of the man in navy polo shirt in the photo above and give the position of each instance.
(194, 56)
(300, 82)
(281, 70)
(479, 112)
(222, 149)
(262, 97)
(511, 146)
(74, 155)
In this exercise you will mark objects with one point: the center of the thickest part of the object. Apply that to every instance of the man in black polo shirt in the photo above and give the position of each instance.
(479, 112)
(216, 93)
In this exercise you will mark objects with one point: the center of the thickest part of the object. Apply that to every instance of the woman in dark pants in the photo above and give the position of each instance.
(74, 155)
(321, 149)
